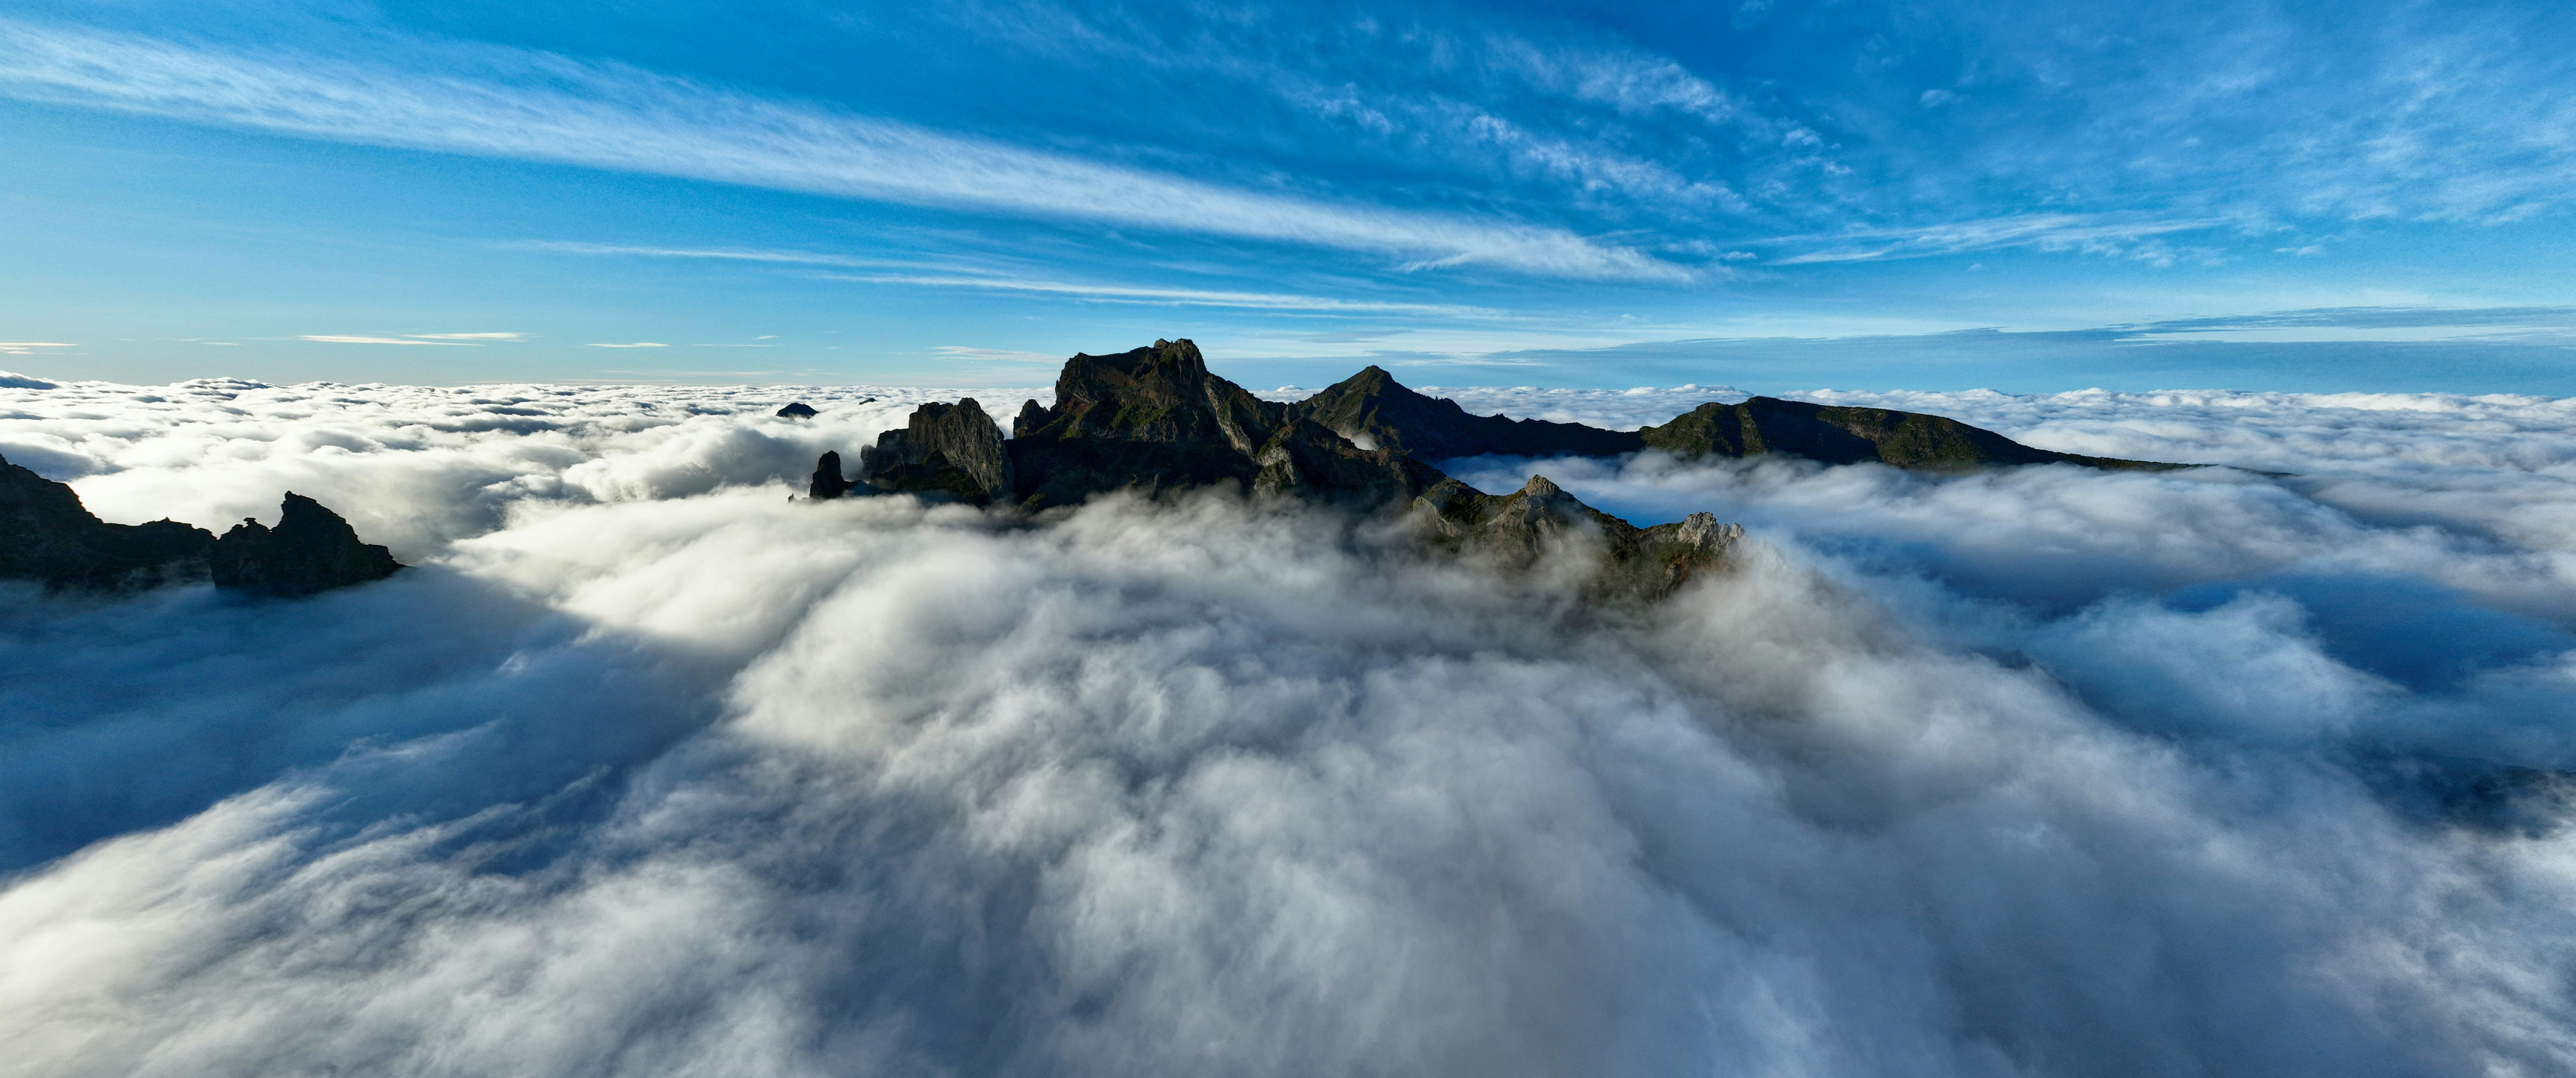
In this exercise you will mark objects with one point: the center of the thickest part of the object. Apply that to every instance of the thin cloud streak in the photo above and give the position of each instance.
(1183, 296)
(2052, 231)
(1113, 293)
(342, 338)
(623, 119)
(993, 355)
(737, 254)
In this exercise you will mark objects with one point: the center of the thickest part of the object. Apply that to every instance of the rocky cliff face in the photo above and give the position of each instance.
(47, 535)
(1161, 395)
(1851, 436)
(952, 449)
(1149, 419)
(828, 482)
(1155, 419)
(310, 550)
(1517, 529)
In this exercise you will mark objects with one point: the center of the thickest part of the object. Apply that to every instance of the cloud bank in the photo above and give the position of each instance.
(647, 770)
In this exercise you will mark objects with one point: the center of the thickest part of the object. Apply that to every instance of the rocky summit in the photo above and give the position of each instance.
(46, 535)
(1155, 419)
(1515, 528)
(1371, 409)
(951, 448)
(311, 550)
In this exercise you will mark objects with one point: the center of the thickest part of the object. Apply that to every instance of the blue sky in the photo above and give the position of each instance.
(1769, 194)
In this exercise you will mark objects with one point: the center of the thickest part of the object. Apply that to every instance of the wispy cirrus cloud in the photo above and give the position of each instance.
(347, 338)
(736, 254)
(2099, 233)
(2408, 317)
(1628, 81)
(542, 107)
(1191, 297)
(2528, 324)
(1187, 297)
(993, 355)
(29, 348)
(465, 340)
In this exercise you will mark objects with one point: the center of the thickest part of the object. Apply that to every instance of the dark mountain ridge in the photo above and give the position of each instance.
(311, 550)
(1839, 435)
(47, 535)
(1155, 419)
(1372, 408)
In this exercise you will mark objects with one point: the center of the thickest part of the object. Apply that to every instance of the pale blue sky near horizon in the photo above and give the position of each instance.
(1772, 195)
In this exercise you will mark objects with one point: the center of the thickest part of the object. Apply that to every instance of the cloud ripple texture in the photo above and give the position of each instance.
(646, 770)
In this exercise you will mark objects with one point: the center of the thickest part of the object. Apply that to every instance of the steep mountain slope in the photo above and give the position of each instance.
(1851, 436)
(1373, 409)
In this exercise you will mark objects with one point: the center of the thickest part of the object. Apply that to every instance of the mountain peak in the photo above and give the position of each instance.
(1372, 409)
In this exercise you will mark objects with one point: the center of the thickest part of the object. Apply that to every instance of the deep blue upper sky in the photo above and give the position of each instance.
(1769, 193)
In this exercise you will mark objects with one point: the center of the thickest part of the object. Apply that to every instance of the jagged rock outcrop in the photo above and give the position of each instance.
(310, 550)
(1146, 420)
(1516, 529)
(952, 449)
(1155, 419)
(798, 410)
(1307, 459)
(1835, 435)
(828, 483)
(47, 535)
(1372, 409)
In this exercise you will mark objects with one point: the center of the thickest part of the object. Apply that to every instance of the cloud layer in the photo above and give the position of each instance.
(646, 769)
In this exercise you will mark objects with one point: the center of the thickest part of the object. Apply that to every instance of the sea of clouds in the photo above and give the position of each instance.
(645, 768)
